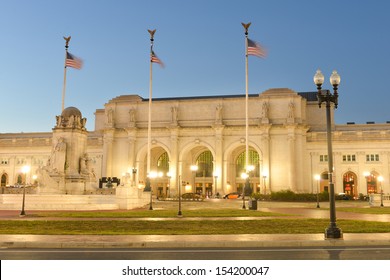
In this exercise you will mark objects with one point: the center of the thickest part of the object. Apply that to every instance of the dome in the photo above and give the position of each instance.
(71, 111)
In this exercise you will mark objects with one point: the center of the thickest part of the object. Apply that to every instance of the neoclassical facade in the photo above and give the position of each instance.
(286, 138)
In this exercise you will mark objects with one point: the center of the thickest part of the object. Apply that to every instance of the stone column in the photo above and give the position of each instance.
(291, 162)
(218, 160)
(173, 162)
(108, 140)
(266, 158)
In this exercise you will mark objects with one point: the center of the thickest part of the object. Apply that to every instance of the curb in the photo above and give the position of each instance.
(190, 244)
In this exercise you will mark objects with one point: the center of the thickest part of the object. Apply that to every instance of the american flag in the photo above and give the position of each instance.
(256, 49)
(73, 61)
(155, 59)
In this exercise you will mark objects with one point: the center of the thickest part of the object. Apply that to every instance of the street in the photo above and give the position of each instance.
(287, 253)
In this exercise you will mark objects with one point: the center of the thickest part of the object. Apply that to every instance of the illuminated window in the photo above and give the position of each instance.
(323, 158)
(163, 163)
(347, 158)
(372, 157)
(205, 164)
(253, 160)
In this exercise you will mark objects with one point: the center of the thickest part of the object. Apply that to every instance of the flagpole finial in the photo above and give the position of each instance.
(246, 26)
(151, 32)
(67, 39)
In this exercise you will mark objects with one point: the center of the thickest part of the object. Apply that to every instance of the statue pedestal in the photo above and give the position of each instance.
(131, 197)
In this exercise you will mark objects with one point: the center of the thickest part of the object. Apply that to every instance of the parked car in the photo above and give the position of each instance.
(342, 196)
(192, 196)
(233, 195)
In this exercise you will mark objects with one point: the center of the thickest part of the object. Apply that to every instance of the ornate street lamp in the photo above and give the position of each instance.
(246, 177)
(169, 176)
(25, 170)
(380, 179)
(148, 187)
(134, 171)
(326, 96)
(317, 178)
(179, 213)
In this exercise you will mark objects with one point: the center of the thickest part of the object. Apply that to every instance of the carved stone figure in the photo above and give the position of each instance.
(58, 121)
(132, 115)
(84, 164)
(174, 115)
(58, 157)
(110, 117)
(265, 110)
(290, 110)
(83, 122)
(218, 114)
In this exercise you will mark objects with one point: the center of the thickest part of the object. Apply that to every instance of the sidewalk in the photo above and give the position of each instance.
(209, 241)
(190, 241)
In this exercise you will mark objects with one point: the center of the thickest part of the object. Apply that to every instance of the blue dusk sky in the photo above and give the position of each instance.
(202, 44)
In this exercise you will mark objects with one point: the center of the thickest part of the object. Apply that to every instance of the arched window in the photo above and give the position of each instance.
(205, 164)
(20, 179)
(4, 180)
(253, 160)
(349, 181)
(372, 182)
(163, 163)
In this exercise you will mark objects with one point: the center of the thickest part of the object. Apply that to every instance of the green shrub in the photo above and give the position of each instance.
(288, 195)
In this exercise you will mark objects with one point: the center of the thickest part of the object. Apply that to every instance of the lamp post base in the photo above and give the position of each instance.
(333, 233)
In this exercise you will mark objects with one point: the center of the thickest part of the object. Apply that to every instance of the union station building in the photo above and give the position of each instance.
(198, 144)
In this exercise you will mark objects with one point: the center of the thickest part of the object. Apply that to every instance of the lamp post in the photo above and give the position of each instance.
(151, 175)
(194, 168)
(326, 96)
(25, 170)
(317, 178)
(169, 176)
(179, 213)
(134, 170)
(380, 179)
(216, 178)
(246, 177)
(264, 183)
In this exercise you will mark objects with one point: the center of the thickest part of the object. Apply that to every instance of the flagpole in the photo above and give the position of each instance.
(67, 39)
(148, 187)
(246, 26)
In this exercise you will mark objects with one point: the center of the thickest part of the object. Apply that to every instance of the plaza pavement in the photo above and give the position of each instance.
(295, 210)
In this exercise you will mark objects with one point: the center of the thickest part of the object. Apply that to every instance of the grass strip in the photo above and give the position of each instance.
(180, 227)
(367, 210)
(156, 213)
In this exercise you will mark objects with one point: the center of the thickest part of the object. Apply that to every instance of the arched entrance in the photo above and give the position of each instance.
(254, 171)
(4, 179)
(196, 170)
(372, 182)
(159, 172)
(350, 184)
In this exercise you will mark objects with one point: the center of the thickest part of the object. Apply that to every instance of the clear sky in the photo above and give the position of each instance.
(202, 45)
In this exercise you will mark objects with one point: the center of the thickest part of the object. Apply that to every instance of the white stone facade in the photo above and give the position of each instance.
(287, 141)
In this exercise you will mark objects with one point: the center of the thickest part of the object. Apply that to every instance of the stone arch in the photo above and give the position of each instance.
(234, 182)
(372, 182)
(190, 146)
(4, 179)
(350, 183)
(160, 182)
(196, 181)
